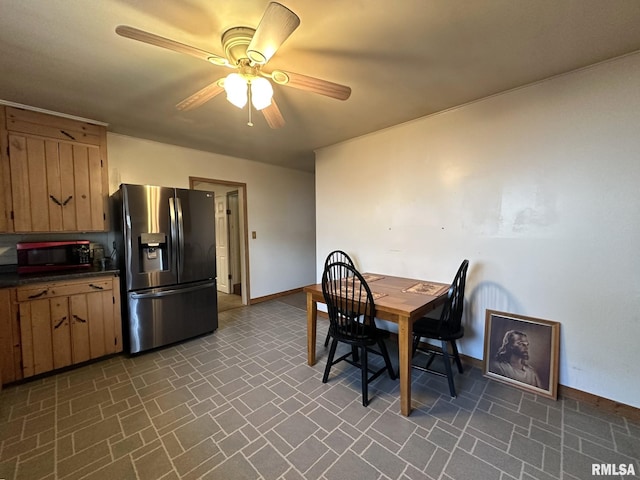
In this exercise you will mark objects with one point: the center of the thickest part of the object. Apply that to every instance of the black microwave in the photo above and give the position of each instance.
(35, 257)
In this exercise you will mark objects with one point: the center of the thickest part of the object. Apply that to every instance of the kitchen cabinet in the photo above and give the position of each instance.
(54, 170)
(5, 177)
(10, 355)
(67, 322)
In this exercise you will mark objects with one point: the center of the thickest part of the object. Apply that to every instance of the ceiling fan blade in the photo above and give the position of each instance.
(310, 84)
(273, 116)
(158, 41)
(201, 96)
(278, 22)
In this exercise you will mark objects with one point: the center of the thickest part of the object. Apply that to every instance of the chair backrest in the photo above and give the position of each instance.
(451, 317)
(349, 303)
(338, 256)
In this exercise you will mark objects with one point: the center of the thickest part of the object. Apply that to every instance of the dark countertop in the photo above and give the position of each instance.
(9, 277)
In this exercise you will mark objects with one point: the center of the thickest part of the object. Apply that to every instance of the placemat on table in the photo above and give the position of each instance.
(370, 277)
(427, 288)
(345, 291)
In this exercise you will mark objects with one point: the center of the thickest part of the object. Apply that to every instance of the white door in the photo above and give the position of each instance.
(222, 244)
(234, 239)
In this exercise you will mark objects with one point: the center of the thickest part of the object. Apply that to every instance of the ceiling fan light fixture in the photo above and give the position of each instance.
(261, 93)
(236, 88)
(247, 50)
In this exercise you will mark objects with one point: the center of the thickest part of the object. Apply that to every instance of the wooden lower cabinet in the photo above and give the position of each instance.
(65, 323)
(10, 356)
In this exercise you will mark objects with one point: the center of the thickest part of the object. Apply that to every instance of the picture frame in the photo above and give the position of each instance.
(522, 351)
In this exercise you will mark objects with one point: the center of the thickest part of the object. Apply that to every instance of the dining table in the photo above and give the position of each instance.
(397, 299)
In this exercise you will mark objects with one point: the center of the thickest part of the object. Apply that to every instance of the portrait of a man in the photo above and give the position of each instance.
(522, 351)
(512, 359)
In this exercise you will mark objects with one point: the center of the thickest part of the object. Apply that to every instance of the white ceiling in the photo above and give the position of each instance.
(403, 59)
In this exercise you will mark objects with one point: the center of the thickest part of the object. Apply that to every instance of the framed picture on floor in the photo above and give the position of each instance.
(522, 352)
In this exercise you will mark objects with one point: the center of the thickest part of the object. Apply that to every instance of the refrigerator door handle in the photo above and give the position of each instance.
(174, 231)
(180, 236)
(172, 291)
(172, 221)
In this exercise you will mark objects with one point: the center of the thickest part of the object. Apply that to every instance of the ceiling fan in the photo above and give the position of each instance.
(247, 51)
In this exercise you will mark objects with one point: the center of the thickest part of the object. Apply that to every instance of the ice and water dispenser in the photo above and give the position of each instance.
(154, 252)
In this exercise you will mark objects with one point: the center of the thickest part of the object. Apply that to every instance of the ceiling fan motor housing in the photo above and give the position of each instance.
(235, 42)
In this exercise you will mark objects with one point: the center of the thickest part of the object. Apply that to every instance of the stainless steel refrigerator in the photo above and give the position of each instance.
(167, 250)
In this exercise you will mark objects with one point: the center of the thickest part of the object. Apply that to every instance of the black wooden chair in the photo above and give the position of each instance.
(352, 312)
(447, 327)
(333, 257)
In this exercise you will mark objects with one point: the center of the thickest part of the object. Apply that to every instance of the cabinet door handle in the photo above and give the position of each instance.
(67, 134)
(97, 287)
(36, 295)
(55, 200)
(60, 322)
(82, 320)
(67, 200)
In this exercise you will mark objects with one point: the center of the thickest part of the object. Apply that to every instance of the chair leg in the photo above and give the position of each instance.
(447, 366)
(387, 359)
(364, 365)
(456, 355)
(416, 342)
(355, 355)
(332, 352)
(326, 340)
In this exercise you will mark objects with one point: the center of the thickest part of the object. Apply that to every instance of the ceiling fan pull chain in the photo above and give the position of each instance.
(249, 104)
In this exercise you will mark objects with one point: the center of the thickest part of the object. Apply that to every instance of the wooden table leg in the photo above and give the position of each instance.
(312, 320)
(404, 351)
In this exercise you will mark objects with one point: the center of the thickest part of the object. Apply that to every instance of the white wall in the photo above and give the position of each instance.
(280, 203)
(538, 188)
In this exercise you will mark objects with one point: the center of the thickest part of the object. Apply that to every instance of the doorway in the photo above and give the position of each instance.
(232, 245)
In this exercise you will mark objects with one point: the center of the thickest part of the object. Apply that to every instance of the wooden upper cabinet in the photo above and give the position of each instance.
(58, 173)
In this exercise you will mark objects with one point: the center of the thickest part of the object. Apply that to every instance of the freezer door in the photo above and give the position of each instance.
(163, 316)
(149, 236)
(196, 235)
